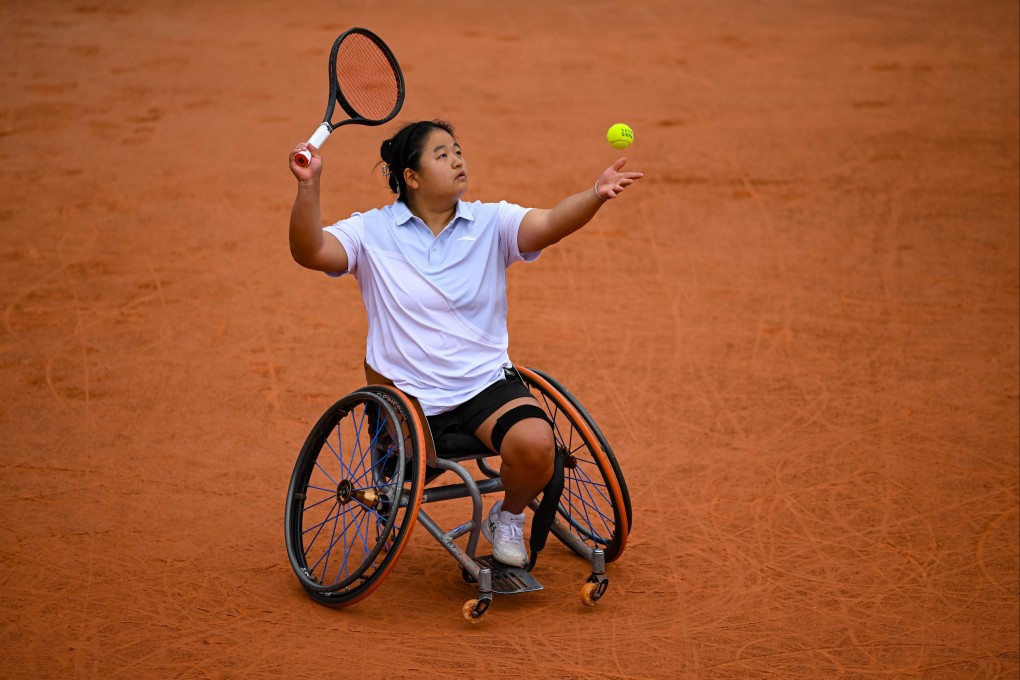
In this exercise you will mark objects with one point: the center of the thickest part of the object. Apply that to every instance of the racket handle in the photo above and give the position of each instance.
(318, 138)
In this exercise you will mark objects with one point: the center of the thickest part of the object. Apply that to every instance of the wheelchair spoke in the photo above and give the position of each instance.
(336, 454)
(328, 552)
(318, 527)
(344, 569)
(590, 503)
(318, 530)
(590, 483)
(350, 545)
(358, 453)
(585, 508)
(330, 495)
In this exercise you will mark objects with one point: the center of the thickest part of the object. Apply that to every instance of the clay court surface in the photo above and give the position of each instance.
(799, 332)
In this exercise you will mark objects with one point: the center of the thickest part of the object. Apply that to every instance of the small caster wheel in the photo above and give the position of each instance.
(474, 611)
(590, 594)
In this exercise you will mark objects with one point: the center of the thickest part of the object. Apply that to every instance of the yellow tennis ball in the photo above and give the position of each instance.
(620, 136)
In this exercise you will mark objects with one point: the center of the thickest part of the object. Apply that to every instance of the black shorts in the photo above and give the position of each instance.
(467, 417)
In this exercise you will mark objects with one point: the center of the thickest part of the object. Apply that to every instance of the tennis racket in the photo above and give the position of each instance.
(365, 80)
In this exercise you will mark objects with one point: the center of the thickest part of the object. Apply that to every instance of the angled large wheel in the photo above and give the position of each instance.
(354, 495)
(595, 505)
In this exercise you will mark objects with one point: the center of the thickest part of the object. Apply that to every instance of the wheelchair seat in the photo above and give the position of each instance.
(456, 446)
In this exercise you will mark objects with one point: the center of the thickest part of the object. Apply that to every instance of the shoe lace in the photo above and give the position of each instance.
(511, 532)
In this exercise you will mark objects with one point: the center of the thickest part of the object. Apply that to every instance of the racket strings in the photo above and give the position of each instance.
(367, 77)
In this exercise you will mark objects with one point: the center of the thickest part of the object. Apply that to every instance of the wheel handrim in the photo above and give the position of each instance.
(588, 507)
(348, 511)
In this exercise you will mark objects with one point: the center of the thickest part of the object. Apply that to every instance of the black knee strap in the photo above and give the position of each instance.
(511, 418)
(545, 515)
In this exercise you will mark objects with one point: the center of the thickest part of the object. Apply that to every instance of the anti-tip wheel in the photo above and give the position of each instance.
(589, 594)
(468, 611)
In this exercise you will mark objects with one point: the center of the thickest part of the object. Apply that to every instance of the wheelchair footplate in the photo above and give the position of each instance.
(508, 580)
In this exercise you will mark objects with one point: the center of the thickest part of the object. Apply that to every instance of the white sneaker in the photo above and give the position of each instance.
(505, 532)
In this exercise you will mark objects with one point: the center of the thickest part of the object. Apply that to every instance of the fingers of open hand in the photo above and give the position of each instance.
(614, 185)
(613, 180)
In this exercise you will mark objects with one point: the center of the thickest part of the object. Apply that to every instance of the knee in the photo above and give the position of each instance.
(530, 446)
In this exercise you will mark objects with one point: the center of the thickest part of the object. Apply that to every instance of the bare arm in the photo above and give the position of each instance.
(309, 246)
(542, 228)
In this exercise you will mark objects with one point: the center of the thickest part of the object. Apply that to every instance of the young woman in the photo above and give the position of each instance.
(432, 273)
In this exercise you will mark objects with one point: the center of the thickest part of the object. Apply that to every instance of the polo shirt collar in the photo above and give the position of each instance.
(402, 214)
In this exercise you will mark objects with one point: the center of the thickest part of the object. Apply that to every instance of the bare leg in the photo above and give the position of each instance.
(527, 453)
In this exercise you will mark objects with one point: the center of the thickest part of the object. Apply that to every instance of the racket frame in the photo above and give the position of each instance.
(336, 95)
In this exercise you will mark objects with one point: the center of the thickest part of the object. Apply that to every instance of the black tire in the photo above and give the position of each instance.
(354, 495)
(595, 505)
(601, 439)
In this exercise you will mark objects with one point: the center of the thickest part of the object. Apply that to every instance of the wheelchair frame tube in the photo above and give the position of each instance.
(450, 491)
(469, 488)
(482, 575)
(563, 533)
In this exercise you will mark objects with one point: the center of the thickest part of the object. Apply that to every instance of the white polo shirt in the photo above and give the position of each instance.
(436, 304)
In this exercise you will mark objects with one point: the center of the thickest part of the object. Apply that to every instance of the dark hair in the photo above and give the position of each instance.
(403, 150)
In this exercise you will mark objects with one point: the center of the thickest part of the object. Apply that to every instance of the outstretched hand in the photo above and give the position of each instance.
(613, 181)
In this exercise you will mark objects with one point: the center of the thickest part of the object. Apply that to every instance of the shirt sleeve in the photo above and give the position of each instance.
(350, 233)
(509, 220)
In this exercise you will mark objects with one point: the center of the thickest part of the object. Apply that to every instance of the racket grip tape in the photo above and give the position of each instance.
(318, 138)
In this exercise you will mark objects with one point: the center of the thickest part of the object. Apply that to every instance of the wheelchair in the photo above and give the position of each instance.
(365, 473)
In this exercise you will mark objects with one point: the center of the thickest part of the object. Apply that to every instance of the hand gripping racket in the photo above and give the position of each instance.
(365, 79)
